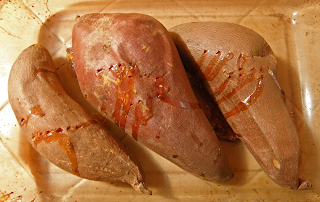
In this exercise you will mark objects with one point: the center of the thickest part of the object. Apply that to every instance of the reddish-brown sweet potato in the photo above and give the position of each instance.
(129, 69)
(60, 129)
(236, 64)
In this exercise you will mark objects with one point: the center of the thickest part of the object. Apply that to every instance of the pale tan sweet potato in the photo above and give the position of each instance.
(60, 129)
(236, 64)
(129, 69)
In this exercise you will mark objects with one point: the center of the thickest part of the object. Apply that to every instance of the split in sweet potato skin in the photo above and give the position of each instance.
(128, 68)
(211, 110)
(60, 129)
(236, 65)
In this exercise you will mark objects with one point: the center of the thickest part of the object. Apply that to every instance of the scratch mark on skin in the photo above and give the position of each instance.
(187, 9)
(254, 7)
(9, 33)
(4, 105)
(47, 6)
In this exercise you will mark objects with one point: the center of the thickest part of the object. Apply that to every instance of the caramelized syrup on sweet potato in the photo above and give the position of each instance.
(57, 135)
(244, 77)
(80, 126)
(99, 73)
(162, 94)
(33, 111)
(143, 112)
(216, 64)
(125, 79)
(126, 76)
(249, 101)
(65, 142)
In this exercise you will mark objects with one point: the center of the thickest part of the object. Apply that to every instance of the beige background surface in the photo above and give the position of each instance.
(290, 27)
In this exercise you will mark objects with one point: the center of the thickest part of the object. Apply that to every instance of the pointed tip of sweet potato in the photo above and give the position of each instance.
(304, 185)
(141, 187)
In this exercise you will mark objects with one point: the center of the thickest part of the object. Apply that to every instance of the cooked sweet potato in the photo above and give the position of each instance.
(211, 110)
(236, 66)
(60, 129)
(129, 69)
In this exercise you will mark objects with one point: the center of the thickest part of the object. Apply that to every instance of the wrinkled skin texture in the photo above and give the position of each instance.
(60, 129)
(237, 65)
(129, 69)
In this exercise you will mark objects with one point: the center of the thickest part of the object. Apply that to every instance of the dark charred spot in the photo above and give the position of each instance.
(283, 94)
(79, 126)
(59, 130)
(99, 70)
(99, 73)
(261, 69)
(22, 122)
(175, 156)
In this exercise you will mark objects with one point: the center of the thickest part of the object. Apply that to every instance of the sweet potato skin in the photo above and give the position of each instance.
(129, 69)
(211, 110)
(237, 65)
(60, 129)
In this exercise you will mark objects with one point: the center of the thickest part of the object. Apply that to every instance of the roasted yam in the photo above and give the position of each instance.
(129, 69)
(236, 65)
(60, 129)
